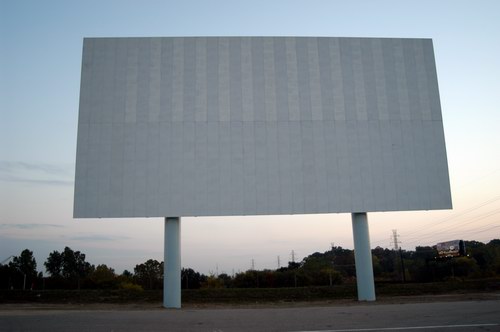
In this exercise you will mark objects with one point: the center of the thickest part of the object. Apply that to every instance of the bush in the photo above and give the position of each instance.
(131, 286)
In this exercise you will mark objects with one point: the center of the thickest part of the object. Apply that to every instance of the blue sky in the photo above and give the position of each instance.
(40, 60)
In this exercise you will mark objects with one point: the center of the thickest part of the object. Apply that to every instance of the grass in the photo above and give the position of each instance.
(246, 295)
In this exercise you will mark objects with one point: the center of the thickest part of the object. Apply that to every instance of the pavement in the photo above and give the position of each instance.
(455, 313)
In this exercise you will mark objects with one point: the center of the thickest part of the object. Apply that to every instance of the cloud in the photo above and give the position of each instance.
(30, 226)
(36, 173)
(36, 181)
(99, 237)
(14, 166)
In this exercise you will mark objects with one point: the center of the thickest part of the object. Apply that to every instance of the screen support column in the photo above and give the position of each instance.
(172, 263)
(363, 257)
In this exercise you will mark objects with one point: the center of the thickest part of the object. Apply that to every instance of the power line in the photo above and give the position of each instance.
(453, 227)
(464, 235)
(469, 221)
(484, 230)
(446, 219)
(474, 231)
(426, 227)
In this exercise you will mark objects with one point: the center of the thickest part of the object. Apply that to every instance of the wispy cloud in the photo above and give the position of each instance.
(36, 173)
(98, 237)
(14, 166)
(36, 181)
(29, 226)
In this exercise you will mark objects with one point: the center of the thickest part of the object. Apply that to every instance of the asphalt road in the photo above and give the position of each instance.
(438, 316)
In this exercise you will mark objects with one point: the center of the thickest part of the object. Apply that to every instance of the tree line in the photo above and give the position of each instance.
(69, 269)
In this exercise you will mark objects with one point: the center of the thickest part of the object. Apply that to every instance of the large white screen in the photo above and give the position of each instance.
(200, 126)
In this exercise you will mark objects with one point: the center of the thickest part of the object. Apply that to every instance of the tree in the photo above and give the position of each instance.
(213, 282)
(26, 265)
(75, 266)
(494, 248)
(54, 264)
(464, 266)
(384, 266)
(192, 279)
(149, 274)
(127, 274)
(69, 264)
(103, 277)
(343, 261)
(421, 264)
(293, 266)
(225, 279)
(248, 279)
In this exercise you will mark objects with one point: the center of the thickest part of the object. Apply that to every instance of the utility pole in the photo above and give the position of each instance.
(294, 271)
(333, 262)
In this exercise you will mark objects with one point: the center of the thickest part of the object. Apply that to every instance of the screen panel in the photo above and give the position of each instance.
(215, 126)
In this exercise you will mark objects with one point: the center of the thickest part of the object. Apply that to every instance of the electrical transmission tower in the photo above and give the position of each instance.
(395, 239)
(7, 259)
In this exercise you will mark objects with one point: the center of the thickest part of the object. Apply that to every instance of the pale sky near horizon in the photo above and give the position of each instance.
(40, 63)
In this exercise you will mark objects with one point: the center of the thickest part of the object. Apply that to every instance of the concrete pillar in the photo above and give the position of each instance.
(363, 257)
(172, 263)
